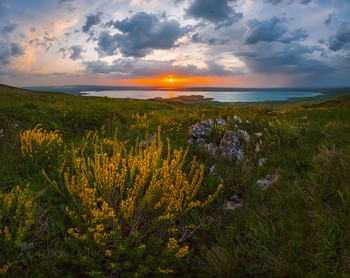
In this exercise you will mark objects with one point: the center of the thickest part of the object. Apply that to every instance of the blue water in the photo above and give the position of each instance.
(250, 96)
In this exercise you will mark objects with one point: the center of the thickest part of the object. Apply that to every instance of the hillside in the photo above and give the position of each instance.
(100, 187)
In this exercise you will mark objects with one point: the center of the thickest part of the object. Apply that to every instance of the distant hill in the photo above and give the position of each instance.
(10, 89)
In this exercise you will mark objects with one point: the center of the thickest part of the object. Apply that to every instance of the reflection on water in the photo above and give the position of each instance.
(171, 94)
(250, 96)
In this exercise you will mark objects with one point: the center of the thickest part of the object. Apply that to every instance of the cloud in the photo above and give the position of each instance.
(75, 52)
(216, 69)
(91, 20)
(140, 35)
(138, 68)
(341, 39)
(8, 50)
(218, 11)
(329, 19)
(271, 30)
(275, 58)
(302, 2)
(9, 28)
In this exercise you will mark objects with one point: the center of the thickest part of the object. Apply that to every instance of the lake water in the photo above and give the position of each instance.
(250, 96)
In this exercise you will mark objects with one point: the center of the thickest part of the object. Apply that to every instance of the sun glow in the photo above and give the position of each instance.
(171, 81)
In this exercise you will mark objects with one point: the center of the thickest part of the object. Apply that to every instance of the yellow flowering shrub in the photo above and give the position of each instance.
(38, 141)
(17, 215)
(123, 195)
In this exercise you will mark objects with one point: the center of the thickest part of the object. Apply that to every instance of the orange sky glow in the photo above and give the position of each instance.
(172, 81)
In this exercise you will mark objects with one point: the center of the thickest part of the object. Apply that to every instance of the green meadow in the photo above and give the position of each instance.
(82, 196)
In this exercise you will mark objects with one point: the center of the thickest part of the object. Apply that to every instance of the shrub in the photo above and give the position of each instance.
(17, 215)
(128, 204)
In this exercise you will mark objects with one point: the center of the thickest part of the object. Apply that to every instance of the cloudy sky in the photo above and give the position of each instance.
(236, 43)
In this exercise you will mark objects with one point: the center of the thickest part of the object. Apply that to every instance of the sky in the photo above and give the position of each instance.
(224, 43)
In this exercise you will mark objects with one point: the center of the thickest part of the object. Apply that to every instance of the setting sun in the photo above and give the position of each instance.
(176, 81)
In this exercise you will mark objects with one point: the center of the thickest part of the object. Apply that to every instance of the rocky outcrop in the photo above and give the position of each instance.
(230, 146)
(200, 131)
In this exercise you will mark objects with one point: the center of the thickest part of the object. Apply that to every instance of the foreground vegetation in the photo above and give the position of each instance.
(81, 196)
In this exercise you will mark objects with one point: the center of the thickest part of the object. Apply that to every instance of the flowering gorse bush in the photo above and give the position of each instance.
(38, 142)
(17, 216)
(128, 202)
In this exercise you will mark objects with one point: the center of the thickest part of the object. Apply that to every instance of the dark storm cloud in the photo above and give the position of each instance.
(141, 34)
(131, 68)
(341, 39)
(91, 20)
(75, 52)
(218, 11)
(197, 38)
(271, 30)
(8, 50)
(216, 69)
(275, 57)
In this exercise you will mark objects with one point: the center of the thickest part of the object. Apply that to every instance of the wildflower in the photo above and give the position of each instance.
(47, 202)
(225, 212)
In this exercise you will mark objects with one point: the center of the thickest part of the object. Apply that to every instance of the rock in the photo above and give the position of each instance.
(212, 149)
(304, 118)
(199, 131)
(212, 168)
(230, 146)
(238, 119)
(267, 181)
(245, 135)
(257, 148)
(259, 134)
(233, 203)
(220, 122)
(274, 113)
(247, 122)
(149, 141)
(262, 161)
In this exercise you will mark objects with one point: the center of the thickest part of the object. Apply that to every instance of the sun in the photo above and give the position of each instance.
(171, 80)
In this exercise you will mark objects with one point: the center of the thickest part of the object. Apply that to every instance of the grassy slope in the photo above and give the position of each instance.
(298, 227)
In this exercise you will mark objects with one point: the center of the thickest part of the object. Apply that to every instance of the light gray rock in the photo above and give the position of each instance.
(245, 135)
(149, 141)
(257, 147)
(238, 119)
(200, 131)
(233, 203)
(220, 122)
(266, 182)
(230, 146)
(262, 161)
(212, 170)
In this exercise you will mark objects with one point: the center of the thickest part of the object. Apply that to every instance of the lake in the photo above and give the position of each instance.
(236, 96)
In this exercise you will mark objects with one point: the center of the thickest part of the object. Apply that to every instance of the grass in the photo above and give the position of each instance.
(298, 227)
